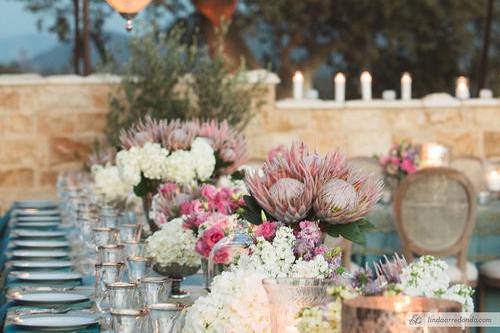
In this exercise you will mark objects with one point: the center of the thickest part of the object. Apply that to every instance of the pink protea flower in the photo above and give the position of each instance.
(102, 156)
(147, 130)
(286, 190)
(277, 151)
(170, 198)
(229, 145)
(346, 198)
(177, 134)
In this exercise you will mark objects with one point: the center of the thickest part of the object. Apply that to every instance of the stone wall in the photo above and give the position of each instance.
(48, 125)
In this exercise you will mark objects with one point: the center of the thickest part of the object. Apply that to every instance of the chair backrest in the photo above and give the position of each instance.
(474, 168)
(435, 211)
(367, 164)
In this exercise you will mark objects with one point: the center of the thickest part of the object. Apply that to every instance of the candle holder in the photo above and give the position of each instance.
(392, 313)
(433, 155)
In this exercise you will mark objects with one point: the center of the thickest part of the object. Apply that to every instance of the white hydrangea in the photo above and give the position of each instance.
(462, 294)
(129, 165)
(237, 304)
(426, 276)
(108, 182)
(153, 160)
(203, 157)
(180, 167)
(238, 301)
(228, 181)
(173, 244)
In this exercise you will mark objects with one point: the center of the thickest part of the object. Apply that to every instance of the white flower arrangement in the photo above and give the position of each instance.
(427, 277)
(238, 301)
(173, 244)
(154, 162)
(107, 181)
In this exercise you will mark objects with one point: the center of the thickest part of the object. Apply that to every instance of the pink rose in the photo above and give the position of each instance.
(190, 207)
(194, 221)
(408, 166)
(213, 235)
(208, 191)
(266, 230)
(202, 249)
(222, 256)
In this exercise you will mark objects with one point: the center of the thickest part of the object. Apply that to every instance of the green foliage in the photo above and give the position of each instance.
(167, 79)
(354, 231)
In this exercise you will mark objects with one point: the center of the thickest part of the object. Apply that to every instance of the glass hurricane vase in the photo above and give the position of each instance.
(288, 296)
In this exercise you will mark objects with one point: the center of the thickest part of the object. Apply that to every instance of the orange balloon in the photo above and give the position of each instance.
(128, 6)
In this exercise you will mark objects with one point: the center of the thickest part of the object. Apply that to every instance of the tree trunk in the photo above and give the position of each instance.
(483, 66)
(87, 66)
(76, 39)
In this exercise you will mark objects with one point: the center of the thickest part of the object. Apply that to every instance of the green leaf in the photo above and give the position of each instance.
(252, 211)
(355, 231)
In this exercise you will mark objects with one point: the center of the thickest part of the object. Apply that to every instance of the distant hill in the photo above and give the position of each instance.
(46, 55)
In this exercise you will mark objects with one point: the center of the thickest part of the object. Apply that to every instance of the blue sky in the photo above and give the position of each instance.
(15, 21)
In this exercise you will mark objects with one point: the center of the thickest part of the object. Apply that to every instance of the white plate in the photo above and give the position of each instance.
(39, 233)
(41, 264)
(36, 225)
(46, 276)
(35, 212)
(54, 322)
(41, 243)
(20, 219)
(41, 204)
(39, 254)
(49, 298)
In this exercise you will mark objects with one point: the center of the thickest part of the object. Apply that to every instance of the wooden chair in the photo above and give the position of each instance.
(368, 164)
(435, 214)
(474, 168)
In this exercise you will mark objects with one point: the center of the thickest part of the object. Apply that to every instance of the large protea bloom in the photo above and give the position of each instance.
(229, 144)
(344, 194)
(178, 134)
(286, 189)
(147, 130)
(102, 156)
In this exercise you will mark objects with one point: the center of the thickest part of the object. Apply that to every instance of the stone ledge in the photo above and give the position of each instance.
(31, 79)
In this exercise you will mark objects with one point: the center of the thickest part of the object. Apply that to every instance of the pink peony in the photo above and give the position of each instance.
(212, 235)
(208, 191)
(266, 230)
(222, 256)
(408, 166)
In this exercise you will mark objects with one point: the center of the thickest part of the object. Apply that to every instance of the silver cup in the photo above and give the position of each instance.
(105, 274)
(104, 236)
(109, 220)
(123, 295)
(130, 232)
(128, 320)
(163, 316)
(134, 249)
(137, 268)
(110, 253)
(155, 289)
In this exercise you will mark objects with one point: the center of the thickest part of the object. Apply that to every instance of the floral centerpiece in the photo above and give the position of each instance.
(297, 184)
(401, 160)
(425, 277)
(108, 183)
(183, 152)
(238, 302)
